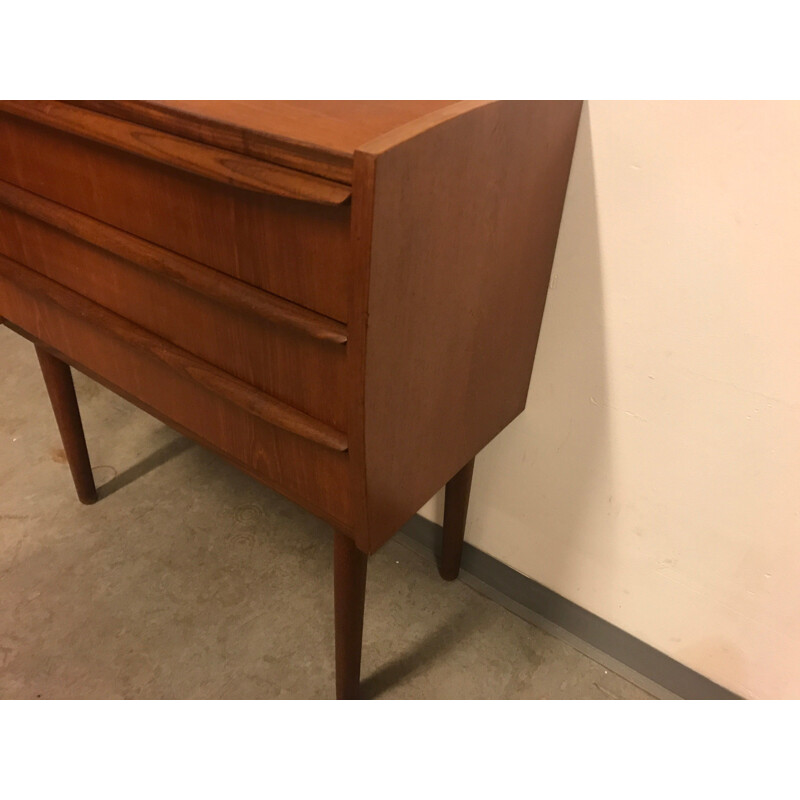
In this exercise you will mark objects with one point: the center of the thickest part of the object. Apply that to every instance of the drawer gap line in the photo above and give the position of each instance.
(223, 166)
(183, 271)
(211, 378)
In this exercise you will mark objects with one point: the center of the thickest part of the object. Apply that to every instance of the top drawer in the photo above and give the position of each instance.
(293, 248)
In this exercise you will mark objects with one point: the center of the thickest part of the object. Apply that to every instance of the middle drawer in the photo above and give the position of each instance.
(300, 363)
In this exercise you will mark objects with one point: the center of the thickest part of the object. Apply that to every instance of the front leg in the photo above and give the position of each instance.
(349, 584)
(58, 380)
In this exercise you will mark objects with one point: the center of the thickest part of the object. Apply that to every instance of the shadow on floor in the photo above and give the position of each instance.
(164, 453)
(431, 648)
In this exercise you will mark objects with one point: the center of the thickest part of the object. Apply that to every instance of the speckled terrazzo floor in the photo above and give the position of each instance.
(190, 580)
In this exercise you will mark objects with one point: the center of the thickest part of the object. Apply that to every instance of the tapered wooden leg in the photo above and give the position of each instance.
(349, 583)
(58, 379)
(456, 502)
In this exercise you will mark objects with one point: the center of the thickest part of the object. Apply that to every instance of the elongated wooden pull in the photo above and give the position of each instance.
(176, 268)
(211, 378)
(224, 166)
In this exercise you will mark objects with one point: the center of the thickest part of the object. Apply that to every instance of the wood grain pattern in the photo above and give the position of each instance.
(312, 476)
(297, 250)
(211, 378)
(355, 356)
(200, 159)
(317, 136)
(303, 372)
(183, 271)
(457, 243)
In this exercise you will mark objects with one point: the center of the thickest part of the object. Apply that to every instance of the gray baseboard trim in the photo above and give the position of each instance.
(607, 644)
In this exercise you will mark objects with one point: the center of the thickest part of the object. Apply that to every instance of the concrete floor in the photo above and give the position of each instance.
(190, 580)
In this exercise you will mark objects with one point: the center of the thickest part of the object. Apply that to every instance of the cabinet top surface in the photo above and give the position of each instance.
(324, 133)
(337, 126)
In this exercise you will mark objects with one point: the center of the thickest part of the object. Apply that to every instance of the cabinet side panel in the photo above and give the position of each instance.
(465, 221)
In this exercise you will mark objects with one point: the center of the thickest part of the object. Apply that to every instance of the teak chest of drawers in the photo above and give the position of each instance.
(341, 298)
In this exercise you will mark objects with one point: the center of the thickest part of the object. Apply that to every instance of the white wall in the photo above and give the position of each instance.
(654, 478)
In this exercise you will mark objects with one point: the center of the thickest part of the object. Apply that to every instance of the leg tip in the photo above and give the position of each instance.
(348, 692)
(88, 499)
(448, 573)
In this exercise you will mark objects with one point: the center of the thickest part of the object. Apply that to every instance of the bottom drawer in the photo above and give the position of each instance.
(309, 473)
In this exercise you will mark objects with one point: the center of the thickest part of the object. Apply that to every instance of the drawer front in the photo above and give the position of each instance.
(312, 473)
(289, 364)
(296, 249)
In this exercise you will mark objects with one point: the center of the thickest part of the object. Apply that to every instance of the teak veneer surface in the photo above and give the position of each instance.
(318, 136)
(268, 357)
(456, 223)
(341, 298)
(296, 249)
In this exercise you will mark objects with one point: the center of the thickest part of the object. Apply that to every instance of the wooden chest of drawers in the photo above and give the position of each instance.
(341, 298)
